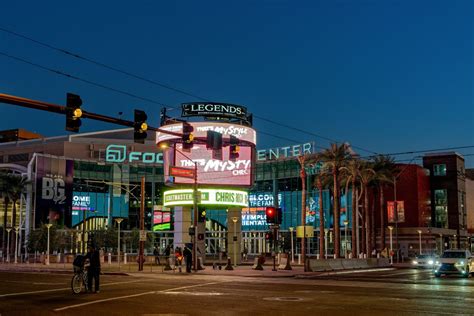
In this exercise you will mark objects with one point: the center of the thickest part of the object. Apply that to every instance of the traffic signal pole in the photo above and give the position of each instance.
(195, 220)
(59, 109)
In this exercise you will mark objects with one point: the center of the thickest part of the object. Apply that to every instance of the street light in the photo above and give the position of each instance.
(419, 238)
(326, 231)
(291, 240)
(118, 220)
(16, 243)
(391, 244)
(235, 219)
(48, 226)
(346, 222)
(9, 229)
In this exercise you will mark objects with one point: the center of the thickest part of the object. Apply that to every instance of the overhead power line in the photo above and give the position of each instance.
(163, 85)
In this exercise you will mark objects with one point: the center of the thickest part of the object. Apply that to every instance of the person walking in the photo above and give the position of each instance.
(179, 258)
(94, 268)
(188, 255)
(156, 253)
(167, 253)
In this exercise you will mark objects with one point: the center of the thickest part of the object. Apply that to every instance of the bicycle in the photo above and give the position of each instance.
(79, 280)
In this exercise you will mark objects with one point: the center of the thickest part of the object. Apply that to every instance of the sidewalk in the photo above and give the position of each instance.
(152, 269)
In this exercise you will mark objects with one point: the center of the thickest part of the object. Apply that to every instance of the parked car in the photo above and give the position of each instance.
(455, 262)
(425, 261)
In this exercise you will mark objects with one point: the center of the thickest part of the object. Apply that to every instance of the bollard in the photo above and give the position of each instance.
(124, 258)
(110, 258)
(229, 264)
(299, 258)
(58, 260)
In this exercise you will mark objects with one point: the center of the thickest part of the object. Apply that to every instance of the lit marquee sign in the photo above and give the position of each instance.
(213, 171)
(243, 133)
(184, 197)
(260, 200)
(211, 109)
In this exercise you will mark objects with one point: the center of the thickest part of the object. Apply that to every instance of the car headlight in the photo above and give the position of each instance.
(430, 262)
(459, 263)
(438, 263)
(415, 262)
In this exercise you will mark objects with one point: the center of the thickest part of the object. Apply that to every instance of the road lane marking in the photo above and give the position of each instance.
(61, 289)
(168, 291)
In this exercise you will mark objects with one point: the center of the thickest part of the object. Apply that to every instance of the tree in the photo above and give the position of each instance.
(367, 174)
(385, 169)
(333, 160)
(14, 187)
(352, 174)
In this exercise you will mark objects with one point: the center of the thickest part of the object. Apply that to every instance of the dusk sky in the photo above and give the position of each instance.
(387, 76)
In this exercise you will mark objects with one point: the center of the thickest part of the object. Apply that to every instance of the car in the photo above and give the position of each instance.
(425, 261)
(458, 262)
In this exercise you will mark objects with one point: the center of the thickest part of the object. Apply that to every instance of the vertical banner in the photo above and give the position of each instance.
(54, 179)
(391, 216)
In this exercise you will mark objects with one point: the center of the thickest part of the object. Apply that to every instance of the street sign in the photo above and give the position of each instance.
(181, 172)
(308, 232)
(142, 235)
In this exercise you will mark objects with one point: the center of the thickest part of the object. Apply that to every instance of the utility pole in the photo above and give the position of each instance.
(141, 259)
(301, 160)
(195, 219)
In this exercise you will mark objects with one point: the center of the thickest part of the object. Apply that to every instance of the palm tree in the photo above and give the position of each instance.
(367, 174)
(15, 186)
(333, 159)
(352, 174)
(385, 169)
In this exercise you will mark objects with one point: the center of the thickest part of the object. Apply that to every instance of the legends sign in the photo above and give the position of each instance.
(217, 110)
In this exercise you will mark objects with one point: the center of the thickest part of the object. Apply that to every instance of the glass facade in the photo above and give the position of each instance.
(441, 208)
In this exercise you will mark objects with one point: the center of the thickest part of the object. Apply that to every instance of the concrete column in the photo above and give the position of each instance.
(182, 222)
(231, 228)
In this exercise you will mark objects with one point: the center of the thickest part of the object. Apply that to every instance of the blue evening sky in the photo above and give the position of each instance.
(386, 75)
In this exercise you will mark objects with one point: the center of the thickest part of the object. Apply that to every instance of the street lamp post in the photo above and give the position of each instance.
(118, 220)
(419, 238)
(48, 226)
(291, 240)
(16, 243)
(8, 243)
(346, 222)
(326, 231)
(391, 244)
(235, 219)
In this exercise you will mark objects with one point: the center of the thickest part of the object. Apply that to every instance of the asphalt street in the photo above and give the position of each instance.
(387, 292)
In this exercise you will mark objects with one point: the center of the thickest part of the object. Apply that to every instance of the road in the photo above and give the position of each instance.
(387, 292)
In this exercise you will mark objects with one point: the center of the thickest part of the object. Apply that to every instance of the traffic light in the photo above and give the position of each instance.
(202, 215)
(139, 126)
(73, 112)
(188, 136)
(270, 212)
(214, 140)
(234, 148)
(279, 216)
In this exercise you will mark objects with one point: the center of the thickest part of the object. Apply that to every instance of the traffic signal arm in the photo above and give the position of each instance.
(50, 107)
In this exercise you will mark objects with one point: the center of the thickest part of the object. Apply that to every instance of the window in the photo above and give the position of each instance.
(439, 170)
(441, 208)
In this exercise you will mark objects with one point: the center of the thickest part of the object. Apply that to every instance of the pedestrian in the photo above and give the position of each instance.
(167, 253)
(245, 253)
(178, 257)
(94, 268)
(188, 255)
(156, 253)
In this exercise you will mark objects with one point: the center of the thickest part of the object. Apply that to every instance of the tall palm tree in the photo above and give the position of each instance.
(352, 174)
(15, 186)
(385, 169)
(367, 174)
(333, 159)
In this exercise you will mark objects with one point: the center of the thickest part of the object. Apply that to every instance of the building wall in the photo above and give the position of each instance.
(470, 204)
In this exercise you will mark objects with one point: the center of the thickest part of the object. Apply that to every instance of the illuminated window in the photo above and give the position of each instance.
(441, 208)
(439, 170)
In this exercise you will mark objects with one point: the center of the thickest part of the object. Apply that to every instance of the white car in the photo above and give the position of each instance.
(425, 261)
(455, 262)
